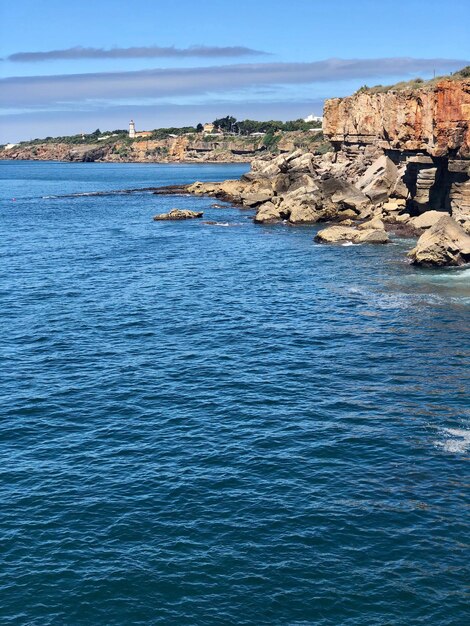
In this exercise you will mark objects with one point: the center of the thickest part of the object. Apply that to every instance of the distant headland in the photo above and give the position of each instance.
(224, 140)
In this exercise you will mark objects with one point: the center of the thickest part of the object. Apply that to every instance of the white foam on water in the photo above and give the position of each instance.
(350, 243)
(456, 440)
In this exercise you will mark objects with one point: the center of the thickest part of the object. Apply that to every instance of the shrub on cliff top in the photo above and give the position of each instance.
(464, 72)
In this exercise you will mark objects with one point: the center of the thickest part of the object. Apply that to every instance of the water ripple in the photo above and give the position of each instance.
(222, 425)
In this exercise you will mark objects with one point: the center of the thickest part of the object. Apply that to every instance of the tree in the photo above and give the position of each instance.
(225, 123)
(199, 128)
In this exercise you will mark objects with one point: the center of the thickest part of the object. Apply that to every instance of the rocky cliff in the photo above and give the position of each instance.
(400, 166)
(425, 132)
(433, 120)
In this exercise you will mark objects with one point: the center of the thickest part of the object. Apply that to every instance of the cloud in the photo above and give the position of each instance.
(145, 52)
(47, 91)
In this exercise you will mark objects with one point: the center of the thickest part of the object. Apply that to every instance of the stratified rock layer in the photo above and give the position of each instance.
(434, 120)
(425, 132)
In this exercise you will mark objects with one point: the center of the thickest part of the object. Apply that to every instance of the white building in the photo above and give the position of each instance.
(313, 118)
(132, 129)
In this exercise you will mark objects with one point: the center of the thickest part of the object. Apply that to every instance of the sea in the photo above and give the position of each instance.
(213, 422)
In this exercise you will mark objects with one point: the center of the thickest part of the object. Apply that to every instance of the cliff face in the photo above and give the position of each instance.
(434, 120)
(425, 132)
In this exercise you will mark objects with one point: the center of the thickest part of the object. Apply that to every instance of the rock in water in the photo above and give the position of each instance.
(178, 214)
(268, 213)
(303, 214)
(445, 243)
(338, 234)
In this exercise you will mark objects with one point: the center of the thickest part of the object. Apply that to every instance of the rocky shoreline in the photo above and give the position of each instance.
(189, 148)
(412, 179)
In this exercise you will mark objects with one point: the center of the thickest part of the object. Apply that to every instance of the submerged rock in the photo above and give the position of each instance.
(178, 214)
(445, 243)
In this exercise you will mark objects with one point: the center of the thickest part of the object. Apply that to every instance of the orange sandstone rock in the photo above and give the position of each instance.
(434, 119)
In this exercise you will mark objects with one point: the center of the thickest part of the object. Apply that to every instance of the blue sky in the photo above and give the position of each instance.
(169, 63)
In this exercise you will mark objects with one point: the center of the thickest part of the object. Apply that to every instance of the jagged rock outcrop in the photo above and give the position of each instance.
(424, 131)
(379, 180)
(407, 180)
(445, 243)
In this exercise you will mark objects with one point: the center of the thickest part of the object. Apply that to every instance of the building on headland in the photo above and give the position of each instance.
(313, 118)
(141, 133)
(208, 128)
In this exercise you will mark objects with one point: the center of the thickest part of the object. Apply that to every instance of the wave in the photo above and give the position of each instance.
(111, 192)
(456, 440)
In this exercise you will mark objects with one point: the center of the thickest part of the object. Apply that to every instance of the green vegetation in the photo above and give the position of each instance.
(267, 134)
(163, 133)
(271, 140)
(463, 73)
(247, 127)
(81, 139)
(415, 83)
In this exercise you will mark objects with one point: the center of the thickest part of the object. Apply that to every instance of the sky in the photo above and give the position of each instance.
(70, 67)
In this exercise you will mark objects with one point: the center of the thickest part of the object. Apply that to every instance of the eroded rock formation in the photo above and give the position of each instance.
(445, 243)
(424, 132)
(401, 162)
(433, 120)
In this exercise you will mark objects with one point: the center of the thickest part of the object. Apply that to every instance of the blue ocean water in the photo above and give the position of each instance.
(217, 424)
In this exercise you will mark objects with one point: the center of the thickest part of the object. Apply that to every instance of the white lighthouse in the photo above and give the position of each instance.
(131, 129)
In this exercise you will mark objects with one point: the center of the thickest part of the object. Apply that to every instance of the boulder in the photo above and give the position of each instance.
(400, 190)
(403, 218)
(228, 190)
(255, 199)
(337, 234)
(178, 214)
(343, 194)
(394, 205)
(427, 219)
(303, 163)
(379, 179)
(304, 214)
(347, 214)
(268, 213)
(372, 236)
(280, 183)
(445, 243)
(304, 182)
(374, 224)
